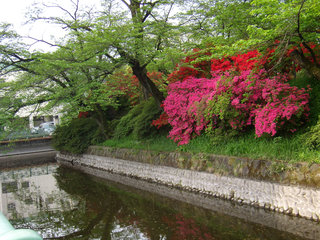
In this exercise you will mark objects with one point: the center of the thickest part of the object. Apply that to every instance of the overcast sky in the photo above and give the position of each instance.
(14, 11)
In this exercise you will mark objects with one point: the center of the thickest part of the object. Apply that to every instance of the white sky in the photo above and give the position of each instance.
(14, 12)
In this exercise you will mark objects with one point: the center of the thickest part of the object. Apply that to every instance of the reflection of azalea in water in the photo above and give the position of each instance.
(186, 228)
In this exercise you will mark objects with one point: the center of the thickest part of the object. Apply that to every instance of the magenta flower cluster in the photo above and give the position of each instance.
(267, 103)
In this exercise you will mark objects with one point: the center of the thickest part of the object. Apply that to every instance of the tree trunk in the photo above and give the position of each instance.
(305, 63)
(147, 84)
(100, 119)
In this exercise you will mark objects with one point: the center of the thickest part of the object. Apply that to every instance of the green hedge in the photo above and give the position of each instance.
(77, 136)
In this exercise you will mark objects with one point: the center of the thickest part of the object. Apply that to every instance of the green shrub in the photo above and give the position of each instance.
(77, 136)
(142, 126)
(312, 137)
(137, 122)
(303, 80)
(126, 123)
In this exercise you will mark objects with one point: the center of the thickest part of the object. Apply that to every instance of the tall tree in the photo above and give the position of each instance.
(138, 35)
(96, 45)
(72, 76)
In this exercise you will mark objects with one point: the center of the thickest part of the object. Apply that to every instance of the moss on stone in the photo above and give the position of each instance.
(295, 174)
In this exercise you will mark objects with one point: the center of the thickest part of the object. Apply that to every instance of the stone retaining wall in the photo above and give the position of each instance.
(232, 183)
(301, 174)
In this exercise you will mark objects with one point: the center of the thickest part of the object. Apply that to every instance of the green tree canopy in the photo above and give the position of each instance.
(74, 75)
(146, 34)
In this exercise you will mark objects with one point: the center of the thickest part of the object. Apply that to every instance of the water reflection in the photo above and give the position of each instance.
(27, 191)
(61, 203)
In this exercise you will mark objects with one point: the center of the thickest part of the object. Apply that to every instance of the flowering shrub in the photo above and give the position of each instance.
(269, 104)
(277, 59)
(180, 101)
(239, 94)
(83, 114)
(252, 60)
(237, 63)
(161, 121)
(191, 67)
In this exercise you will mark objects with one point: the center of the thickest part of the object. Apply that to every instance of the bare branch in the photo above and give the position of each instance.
(46, 42)
(170, 9)
(148, 12)
(61, 8)
(76, 4)
(284, 50)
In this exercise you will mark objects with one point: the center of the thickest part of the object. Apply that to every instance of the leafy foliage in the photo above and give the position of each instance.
(137, 122)
(125, 125)
(191, 66)
(106, 55)
(77, 136)
(143, 122)
(312, 137)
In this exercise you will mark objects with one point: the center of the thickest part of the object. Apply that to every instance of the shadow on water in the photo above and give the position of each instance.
(87, 207)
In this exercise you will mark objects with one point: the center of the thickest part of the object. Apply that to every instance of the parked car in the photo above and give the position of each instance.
(47, 128)
(35, 130)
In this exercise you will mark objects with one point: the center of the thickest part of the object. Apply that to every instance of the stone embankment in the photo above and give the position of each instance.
(292, 189)
(25, 152)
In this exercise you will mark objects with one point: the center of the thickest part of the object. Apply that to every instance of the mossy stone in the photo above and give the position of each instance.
(315, 177)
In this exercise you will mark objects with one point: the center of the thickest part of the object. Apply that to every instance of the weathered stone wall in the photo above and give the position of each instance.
(232, 183)
(302, 174)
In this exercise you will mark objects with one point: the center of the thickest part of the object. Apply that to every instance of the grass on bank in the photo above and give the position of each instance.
(289, 149)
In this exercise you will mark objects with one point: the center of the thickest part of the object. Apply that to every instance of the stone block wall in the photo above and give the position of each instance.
(302, 174)
(253, 182)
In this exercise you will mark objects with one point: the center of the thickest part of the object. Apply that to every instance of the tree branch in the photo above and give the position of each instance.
(56, 80)
(46, 42)
(313, 55)
(61, 8)
(127, 4)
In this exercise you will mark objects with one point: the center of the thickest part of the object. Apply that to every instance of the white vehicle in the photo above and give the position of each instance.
(35, 130)
(47, 127)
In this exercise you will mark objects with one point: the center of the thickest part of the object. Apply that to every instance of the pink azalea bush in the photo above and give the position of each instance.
(181, 97)
(268, 104)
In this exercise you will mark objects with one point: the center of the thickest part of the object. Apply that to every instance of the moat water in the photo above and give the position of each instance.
(62, 203)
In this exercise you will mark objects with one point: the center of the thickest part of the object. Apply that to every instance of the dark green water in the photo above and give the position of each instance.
(61, 203)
